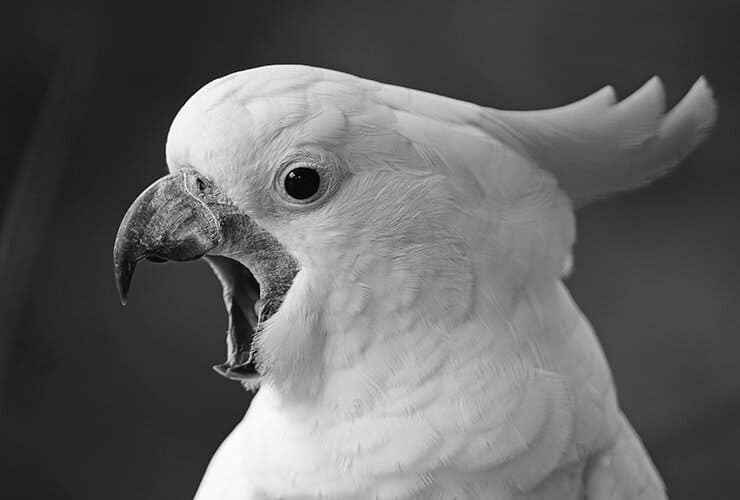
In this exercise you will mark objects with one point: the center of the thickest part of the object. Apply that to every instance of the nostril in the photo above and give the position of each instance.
(156, 259)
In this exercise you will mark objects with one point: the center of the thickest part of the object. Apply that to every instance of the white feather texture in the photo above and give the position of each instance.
(428, 348)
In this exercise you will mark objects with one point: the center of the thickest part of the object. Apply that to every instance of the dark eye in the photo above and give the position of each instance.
(301, 183)
(201, 185)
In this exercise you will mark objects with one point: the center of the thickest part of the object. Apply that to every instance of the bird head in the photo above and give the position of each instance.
(338, 212)
(312, 209)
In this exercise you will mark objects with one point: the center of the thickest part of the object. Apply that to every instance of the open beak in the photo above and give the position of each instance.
(184, 216)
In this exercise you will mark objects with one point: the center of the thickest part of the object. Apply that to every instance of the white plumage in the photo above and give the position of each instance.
(428, 348)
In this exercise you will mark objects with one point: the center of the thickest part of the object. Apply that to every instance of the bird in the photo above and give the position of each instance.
(393, 267)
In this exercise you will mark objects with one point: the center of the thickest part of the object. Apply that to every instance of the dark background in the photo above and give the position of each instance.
(101, 402)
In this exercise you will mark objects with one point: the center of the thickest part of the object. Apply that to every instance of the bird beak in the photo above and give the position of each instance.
(180, 217)
(184, 216)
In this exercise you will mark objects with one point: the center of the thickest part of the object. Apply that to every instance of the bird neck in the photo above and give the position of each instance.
(338, 331)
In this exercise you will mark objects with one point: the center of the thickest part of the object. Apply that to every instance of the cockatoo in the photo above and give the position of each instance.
(393, 264)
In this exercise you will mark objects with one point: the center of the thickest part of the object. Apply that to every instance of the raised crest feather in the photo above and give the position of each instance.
(596, 147)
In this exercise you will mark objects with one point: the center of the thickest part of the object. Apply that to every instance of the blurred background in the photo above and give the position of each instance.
(98, 401)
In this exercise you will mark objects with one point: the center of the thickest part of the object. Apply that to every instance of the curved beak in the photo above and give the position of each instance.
(180, 217)
(184, 216)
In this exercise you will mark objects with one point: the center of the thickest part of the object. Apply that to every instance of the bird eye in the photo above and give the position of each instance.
(306, 178)
(302, 183)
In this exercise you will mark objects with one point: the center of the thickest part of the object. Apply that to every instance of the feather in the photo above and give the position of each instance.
(596, 148)
(427, 348)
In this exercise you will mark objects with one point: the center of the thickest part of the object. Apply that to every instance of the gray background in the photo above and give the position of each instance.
(97, 401)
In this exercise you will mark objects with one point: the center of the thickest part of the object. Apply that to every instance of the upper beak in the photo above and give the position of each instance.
(180, 217)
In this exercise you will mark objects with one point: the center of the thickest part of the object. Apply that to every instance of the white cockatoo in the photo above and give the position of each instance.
(393, 267)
